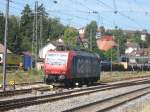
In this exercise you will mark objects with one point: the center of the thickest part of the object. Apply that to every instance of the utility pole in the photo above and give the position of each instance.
(5, 45)
(90, 39)
(111, 62)
(33, 40)
(118, 50)
(36, 31)
(41, 30)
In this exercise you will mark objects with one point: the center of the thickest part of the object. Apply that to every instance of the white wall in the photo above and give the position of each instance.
(43, 51)
(129, 50)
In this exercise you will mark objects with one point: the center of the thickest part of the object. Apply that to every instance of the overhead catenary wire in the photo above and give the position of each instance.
(91, 11)
(115, 7)
(12, 7)
(18, 6)
(83, 18)
(66, 12)
(145, 11)
(80, 3)
(122, 14)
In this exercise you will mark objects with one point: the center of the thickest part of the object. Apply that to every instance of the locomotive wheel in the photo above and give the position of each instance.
(46, 80)
(68, 84)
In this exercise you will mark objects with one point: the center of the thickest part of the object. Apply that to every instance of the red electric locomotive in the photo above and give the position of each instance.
(70, 67)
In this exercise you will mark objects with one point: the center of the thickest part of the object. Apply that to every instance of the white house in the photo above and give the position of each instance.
(57, 45)
(43, 51)
(130, 47)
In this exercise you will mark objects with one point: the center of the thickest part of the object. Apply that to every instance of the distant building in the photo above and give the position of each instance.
(82, 33)
(146, 51)
(131, 48)
(140, 52)
(54, 45)
(135, 53)
(105, 43)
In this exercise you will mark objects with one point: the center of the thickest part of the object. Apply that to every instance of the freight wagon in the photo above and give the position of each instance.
(136, 62)
(13, 60)
(71, 67)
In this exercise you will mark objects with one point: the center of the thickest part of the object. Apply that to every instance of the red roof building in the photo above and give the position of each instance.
(105, 43)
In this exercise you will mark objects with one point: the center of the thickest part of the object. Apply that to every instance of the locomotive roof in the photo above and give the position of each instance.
(85, 53)
(81, 53)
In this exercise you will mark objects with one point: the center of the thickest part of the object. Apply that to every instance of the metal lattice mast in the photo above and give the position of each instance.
(36, 31)
(5, 45)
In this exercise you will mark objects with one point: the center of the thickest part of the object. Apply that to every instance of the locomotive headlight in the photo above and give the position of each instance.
(61, 77)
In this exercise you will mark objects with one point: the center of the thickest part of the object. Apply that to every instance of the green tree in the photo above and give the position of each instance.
(2, 26)
(55, 29)
(42, 24)
(120, 39)
(90, 34)
(148, 40)
(111, 53)
(26, 28)
(70, 37)
(102, 30)
(136, 37)
(14, 41)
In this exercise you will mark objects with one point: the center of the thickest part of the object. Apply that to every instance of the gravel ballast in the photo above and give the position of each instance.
(138, 105)
(61, 105)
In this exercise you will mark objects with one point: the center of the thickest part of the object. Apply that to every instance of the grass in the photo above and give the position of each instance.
(20, 76)
(116, 76)
(30, 76)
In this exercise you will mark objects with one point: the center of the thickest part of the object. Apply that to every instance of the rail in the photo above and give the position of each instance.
(34, 100)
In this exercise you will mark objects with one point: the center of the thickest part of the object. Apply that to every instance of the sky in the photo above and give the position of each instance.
(130, 14)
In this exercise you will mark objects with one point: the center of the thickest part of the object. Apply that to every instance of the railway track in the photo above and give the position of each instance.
(22, 91)
(46, 88)
(13, 92)
(22, 84)
(112, 102)
(28, 101)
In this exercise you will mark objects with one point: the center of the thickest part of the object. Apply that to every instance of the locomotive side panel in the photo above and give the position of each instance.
(85, 67)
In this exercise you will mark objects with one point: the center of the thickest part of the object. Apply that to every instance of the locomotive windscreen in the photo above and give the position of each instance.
(53, 58)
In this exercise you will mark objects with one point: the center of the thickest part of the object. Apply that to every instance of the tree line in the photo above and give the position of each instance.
(21, 33)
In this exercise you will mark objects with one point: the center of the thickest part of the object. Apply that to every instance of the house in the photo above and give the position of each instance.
(135, 53)
(131, 48)
(105, 43)
(43, 51)
(140, 52)
(2, 51)
(146, 51)
(54, 45)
